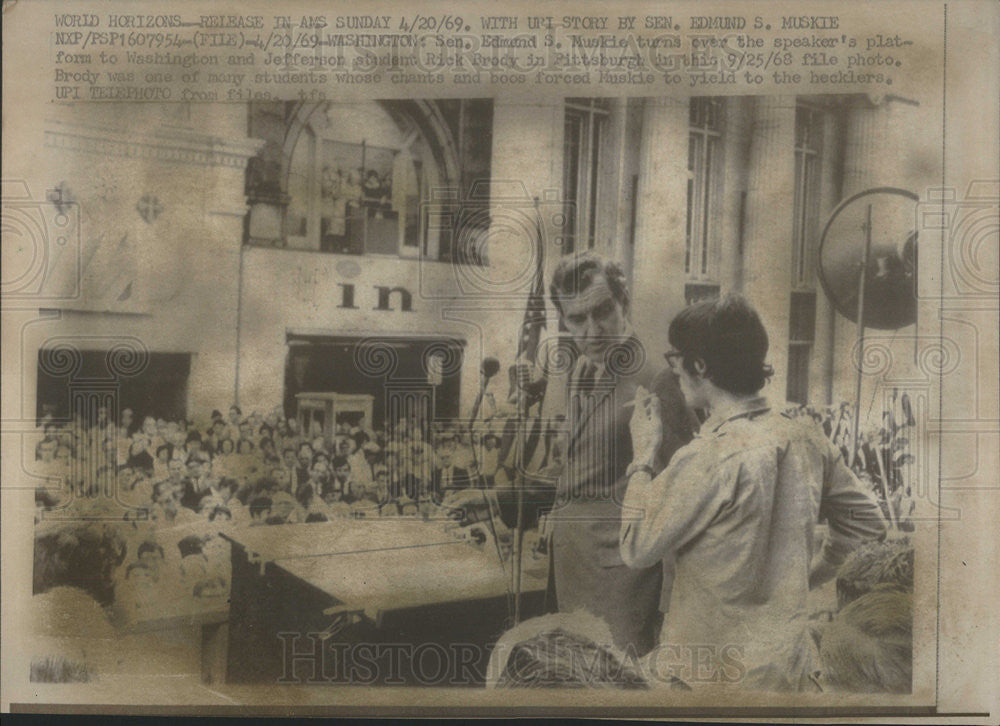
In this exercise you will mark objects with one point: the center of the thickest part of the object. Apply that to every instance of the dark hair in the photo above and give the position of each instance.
(304, 443)
(266, 483)
(149, 546)
(83, 556)
(219, 446)
(238, 411)
(191, 545)
(159, 489)
(141, 462)
(316, 517)
(169, 448)
(45, 498)
(576, 272)
(729, 337)
(339, 461)
(192, 436)
(219, 510)
(259, 505)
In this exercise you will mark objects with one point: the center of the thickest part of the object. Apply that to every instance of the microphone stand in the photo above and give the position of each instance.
(522, 415)
(483, 381)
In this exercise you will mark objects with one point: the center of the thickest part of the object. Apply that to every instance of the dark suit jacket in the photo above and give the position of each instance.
(301, 477)
(587, 569)
(195, 491)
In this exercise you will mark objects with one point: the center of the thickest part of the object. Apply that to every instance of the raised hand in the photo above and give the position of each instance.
(646, 426)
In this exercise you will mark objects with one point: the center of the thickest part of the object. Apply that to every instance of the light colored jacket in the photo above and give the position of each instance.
(737, 509)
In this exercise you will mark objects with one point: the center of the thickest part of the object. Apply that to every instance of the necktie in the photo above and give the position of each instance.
(584, 387)
(588, 376)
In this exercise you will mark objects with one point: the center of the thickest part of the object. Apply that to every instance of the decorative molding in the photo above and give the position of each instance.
(168, 146)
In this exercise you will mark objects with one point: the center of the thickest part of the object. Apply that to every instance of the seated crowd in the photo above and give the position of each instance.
(262, 469)
(173, 485)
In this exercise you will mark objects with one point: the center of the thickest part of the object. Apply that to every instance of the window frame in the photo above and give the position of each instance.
(800, 344)
(593, 116)
(808, 154)
(705, 173)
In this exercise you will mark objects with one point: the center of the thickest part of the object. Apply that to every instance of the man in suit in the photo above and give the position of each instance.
(200, 482)
(587, 570)
(290, 465)
(447, 477)
(304, 464)
(339, 485)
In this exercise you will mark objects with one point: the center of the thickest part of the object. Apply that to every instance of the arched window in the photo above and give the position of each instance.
(357, 175)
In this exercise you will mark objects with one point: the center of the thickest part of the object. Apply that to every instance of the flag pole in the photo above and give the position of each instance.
(862, 284)
(523, 402)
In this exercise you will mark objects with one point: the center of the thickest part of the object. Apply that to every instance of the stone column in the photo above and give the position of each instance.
(821, 365)
(735, 145)
(767, 251)
(661, 214)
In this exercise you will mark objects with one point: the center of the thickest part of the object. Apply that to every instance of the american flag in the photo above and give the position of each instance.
(529, 397)
(534, 312)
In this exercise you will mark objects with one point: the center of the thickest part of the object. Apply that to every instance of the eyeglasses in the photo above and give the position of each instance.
(673, 358)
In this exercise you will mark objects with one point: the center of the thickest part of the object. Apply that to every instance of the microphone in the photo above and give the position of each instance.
(490, 367)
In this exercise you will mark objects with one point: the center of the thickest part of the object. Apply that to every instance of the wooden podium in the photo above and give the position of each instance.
(307, 598)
